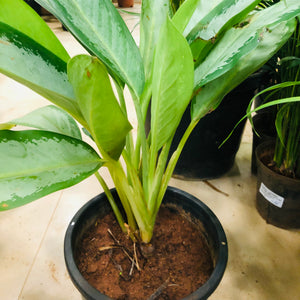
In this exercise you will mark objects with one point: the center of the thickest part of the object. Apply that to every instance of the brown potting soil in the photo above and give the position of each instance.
(179, 264)
(267, 159)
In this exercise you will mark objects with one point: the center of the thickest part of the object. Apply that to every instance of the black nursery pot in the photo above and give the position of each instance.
(278, 196)
(201, 157)
(99, 206)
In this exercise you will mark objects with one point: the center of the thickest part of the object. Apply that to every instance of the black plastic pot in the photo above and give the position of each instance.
(99, 206)
(278, 196)
(201, 157)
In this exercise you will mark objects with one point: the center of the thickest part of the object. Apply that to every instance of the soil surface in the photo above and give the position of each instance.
(267, 160)
(179, 263)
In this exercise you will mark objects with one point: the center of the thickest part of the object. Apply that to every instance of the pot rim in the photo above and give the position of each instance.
(269, 144)
(189, 204)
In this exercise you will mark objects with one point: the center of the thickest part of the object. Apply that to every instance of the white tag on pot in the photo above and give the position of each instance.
(271, 196)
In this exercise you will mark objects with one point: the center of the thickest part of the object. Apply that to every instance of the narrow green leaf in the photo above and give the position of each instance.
(153, 16)
(49, 118)
(101, 30)
(36, 163)
(172, 84)
(107, 122)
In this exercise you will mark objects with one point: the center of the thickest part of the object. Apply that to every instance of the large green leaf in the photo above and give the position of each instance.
(172, 84)
(29, 63)
(226, 14)
(191, 12)
(98, 26)
(49, 118)
(243, 39)
(108, 124)
(17, 14)
(153, 15)
(185, 12)
(36, 163)
(31, 54)
(210, 95)
(204, 22)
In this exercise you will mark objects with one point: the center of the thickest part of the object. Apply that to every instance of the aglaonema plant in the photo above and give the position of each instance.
(198, 55)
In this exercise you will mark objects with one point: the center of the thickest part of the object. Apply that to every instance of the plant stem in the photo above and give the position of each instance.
(143, 141)
(111, 202)
(159, 173)
(172, 163)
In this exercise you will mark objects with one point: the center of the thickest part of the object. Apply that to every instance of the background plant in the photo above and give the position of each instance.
(205, 50)
(283, 72)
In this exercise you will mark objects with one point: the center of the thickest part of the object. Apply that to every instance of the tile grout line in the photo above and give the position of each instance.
(39, 247)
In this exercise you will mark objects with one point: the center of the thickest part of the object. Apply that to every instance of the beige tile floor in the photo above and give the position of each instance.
(264, 261)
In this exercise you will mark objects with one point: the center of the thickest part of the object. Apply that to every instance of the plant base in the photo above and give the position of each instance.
(193, 210)
(278, 197)
(178, 262)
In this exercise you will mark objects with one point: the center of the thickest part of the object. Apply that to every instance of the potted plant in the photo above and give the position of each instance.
(179, 61)
(278, 160)
(125, 3)
(276, 70)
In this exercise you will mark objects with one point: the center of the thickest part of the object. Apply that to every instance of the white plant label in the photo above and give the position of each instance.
(271, 196)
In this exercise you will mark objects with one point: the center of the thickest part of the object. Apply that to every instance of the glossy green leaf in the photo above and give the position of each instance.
(210, 95)
(49, 118)
(226, 14)
(172, 84)
(153, 16)
(108, 124)
(220, 59)
(243, 39)
(198, 11)
(184, 14)
(101, 30)
(18, 15)
(29, 63)
(31, 54)
(36, 163)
